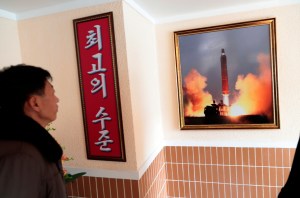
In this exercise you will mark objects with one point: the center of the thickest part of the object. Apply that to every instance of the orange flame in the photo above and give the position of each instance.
(195, 97)
(255, 92)
(237, 110)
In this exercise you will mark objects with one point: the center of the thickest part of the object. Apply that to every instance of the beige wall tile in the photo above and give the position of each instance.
(205, 171)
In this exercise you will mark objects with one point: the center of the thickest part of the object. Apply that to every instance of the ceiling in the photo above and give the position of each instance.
(157, 11)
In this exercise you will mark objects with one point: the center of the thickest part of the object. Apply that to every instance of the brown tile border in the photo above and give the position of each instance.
(179, 171)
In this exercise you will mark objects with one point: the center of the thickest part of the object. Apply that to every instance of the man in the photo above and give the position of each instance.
(30, 158)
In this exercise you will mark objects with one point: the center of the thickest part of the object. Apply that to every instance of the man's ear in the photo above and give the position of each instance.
(33, 103)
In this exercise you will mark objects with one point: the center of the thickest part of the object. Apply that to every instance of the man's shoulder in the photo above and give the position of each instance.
(17, 148)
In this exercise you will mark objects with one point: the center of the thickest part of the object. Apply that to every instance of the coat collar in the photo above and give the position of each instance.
(23, 128)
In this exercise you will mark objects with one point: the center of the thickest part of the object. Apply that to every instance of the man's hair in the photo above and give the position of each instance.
(18, 83)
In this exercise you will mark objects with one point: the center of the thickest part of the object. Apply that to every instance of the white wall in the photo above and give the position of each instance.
(10, 52)
(144, 84)
(288, 59)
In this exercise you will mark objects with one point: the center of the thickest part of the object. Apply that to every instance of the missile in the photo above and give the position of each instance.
(224, 73)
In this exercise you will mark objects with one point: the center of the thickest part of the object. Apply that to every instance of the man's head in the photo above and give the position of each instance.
(26, 90)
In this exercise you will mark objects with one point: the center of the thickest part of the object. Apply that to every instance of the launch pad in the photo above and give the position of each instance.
(243, 119)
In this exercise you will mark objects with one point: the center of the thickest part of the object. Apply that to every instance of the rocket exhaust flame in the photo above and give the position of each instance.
(237, 111)
(254, 92)
(195, 98)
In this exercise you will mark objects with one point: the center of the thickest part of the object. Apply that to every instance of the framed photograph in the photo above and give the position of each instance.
(227, 76)
(97, 69)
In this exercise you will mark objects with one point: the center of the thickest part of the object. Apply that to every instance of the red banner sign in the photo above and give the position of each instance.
(97, 68)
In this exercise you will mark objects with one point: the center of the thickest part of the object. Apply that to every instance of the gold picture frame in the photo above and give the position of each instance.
(227, 76)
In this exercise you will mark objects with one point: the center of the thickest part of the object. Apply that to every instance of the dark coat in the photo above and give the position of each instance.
(291, 189)
(30, 165)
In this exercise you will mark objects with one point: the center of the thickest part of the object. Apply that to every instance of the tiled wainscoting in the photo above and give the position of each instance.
(199, 172)
(152, 184)
(219, 172)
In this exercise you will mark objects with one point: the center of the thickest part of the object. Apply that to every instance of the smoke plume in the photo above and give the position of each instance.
(255, 91)
(195, 98)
